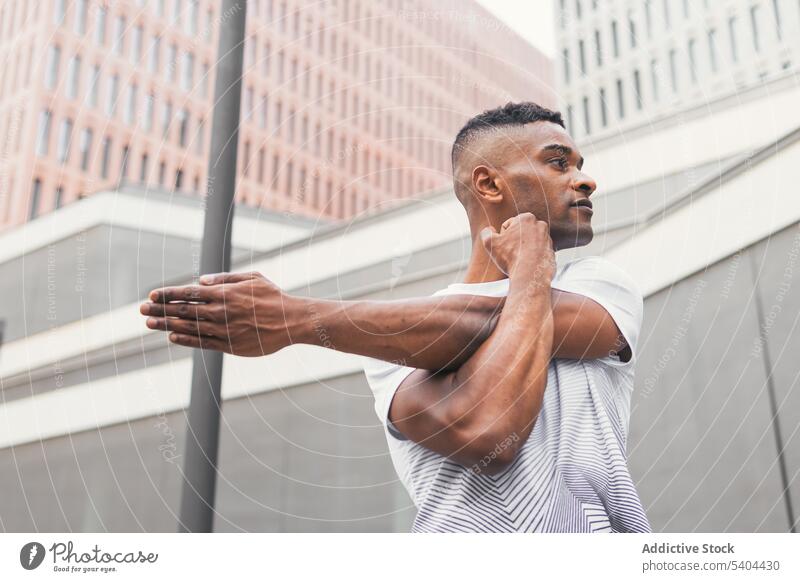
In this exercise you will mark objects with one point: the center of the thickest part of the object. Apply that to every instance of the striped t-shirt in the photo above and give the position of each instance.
(571, 475)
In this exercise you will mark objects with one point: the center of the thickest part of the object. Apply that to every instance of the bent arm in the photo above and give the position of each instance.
(492, 401)
(440, 333)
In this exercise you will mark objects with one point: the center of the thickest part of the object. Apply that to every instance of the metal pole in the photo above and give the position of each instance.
(202, 433)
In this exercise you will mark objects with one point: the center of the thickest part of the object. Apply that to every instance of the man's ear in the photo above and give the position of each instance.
(487, 184)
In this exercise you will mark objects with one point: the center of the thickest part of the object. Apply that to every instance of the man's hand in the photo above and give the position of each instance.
(244, 314)
(523, 239)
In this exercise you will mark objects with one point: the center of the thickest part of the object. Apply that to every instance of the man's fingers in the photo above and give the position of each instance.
(186, 326)
(206, 343)
(190, 311)
(184, 293)
(219, 278)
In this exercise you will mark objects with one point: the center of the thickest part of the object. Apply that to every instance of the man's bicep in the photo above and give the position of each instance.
(584, 330)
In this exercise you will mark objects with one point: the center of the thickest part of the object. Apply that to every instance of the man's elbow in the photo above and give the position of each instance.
(490, 450)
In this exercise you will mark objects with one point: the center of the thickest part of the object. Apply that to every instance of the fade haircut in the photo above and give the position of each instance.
(509, 114)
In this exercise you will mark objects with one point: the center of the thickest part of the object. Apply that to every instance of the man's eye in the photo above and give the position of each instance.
(561, 162)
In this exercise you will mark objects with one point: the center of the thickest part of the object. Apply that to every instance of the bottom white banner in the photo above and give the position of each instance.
(392, 557)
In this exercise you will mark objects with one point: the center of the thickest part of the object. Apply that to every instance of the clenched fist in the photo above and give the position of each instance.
(523, 243)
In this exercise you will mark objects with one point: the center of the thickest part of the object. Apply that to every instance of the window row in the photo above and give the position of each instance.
(189, 133)
(184, 63)
(185, 16)
(579, 61)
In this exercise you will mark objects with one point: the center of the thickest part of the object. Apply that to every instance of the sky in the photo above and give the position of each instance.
(533, 19)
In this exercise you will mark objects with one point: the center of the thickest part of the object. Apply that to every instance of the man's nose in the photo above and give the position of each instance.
(585, 184)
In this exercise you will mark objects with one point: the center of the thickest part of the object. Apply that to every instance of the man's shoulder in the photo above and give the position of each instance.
(597, 268)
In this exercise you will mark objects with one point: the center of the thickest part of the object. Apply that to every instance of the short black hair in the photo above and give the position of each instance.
(509, 114)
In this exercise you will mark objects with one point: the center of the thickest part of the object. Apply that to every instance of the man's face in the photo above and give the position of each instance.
(541, 170)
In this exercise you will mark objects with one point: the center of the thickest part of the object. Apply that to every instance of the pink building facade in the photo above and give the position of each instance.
(346, 105)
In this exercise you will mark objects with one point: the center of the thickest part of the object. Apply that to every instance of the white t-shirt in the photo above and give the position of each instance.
(571, 475)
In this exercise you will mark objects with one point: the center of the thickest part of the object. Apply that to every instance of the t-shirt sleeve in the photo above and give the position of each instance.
(384, 378)
(605, 283)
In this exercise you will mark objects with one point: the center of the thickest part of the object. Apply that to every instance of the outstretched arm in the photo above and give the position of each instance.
(248, 315)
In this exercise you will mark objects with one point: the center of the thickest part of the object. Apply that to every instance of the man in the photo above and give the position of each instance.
(510, 406)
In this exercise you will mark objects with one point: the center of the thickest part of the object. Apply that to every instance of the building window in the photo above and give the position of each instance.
(632, 29)
(111, 97)
(777, 13)
(620, 99)
(712, 49)
(166, 118)
(587, 126)
(176, 12)
(80, 16)
(200, 136)
(183, 127)
(123, 164)
(86, 147)
(194, 17)
(264, 111)
(73, 76)
(666, 12)
(36, 194)
(582, 56)
(155, 54)
(100, 25)
(119, 35)
(692, 60)
(136, 43)
(162, 173)
(147, 115)
(732, 33)
(637, 87)
(178, 180)
(598, 49)
(59, 197)
(654, 78)
(603, 110)
(247, 107)
(106, 160)
(130, 104)
(565, 60)
(187, 71)
(673, 70)
(205, 81)
(60, 12)
(143, 169)
(570, 125)
(289, 176)
(51, 73)
(648, 17)
(94, 86)
(614, 38)
(43, 135)
(755, 14)
(172, 63)
(64, 135)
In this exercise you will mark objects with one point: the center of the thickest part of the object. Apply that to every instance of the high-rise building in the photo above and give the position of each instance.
(622, 64)
(346, 104)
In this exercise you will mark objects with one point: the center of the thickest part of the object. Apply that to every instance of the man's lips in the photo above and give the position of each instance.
(583, 204)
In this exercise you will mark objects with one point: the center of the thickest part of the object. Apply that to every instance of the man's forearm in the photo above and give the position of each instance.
(499, 390)
(431, 333)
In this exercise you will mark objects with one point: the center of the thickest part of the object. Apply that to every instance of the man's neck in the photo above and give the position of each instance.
(481, 268)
